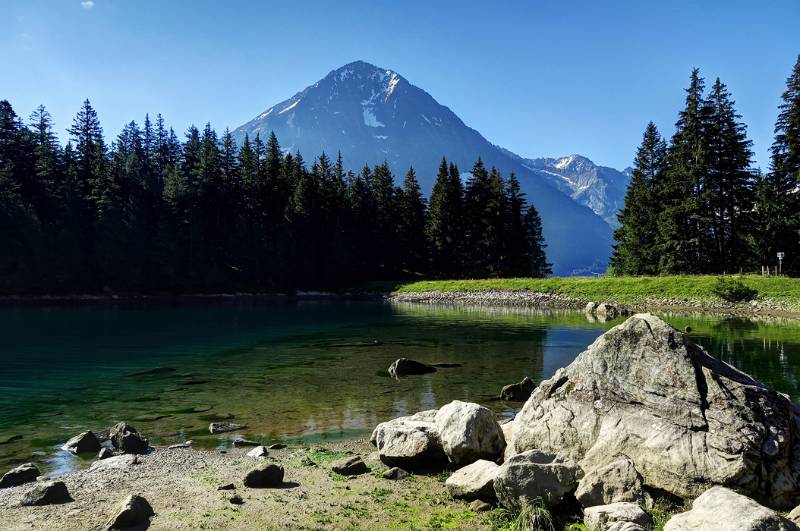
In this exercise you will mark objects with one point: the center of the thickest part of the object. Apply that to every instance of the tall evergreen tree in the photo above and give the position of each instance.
(411, 226)
(445, 224)
(539, 266)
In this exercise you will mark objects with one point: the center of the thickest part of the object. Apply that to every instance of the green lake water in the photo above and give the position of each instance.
(301, 371)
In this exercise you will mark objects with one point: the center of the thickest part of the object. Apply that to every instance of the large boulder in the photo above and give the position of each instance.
(410, 442)
(469, 432)
(17, 476)
(518, 392)
(686, 420)
(46, 493)
(133, 511)
(601, 517)
(534, 475)
(125, 438)
(83, 443)
(721, 509)
(406, 367)
(475, 481)
(616, 482)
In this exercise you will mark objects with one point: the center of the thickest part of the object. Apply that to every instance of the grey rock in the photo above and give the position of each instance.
(616, 482)
(794, 515)
(608, 311)
(410, 442)
(721, 509)
(480, 506)
(600, 517)
(133, 511)
(276, 446)
(407, 367)
(350, 466)
(20, 475)
(469, 432)
(128, 440)
(258, 451)
(242, 443)
(590, 307)
(533, 475)
(264, 477)
(508, 435)
(46, 493)
(223, 427)
(105, 453)
(236, 499)
(395, 473)
(645, 391)
(474, 481)
(83, 443)
(625, 526)
(186, 444)
(117, 462)
(518, 392)
(227, 486)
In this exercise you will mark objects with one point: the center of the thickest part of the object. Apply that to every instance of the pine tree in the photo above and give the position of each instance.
(517, 250)
(411, 225)
(444, 228)
(484, 199)
(539, 266)
(635, 252)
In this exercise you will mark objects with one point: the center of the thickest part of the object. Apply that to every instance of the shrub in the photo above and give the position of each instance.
(733, 290)
(533, 517)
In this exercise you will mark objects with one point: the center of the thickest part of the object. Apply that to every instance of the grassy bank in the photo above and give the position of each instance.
(623, 290)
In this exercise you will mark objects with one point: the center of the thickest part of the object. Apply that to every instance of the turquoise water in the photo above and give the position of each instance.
(295, 371)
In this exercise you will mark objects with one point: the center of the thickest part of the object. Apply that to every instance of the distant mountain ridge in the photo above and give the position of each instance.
(371, 114)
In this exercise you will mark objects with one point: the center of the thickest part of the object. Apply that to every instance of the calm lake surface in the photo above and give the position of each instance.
(301, 371)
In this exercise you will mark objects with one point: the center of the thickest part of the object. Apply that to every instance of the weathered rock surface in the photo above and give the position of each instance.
(20, 475)
(83, 443)
(624, 526)
(473, 481)
(616, 482)
(600, 517)
(721, 509)
(223, 427)
(264, 476)
(395, 473)
(794, 515)
(685, 419)
(508, 435)
(479, 506)
(105, 453)
(518, 392)
(116, 462)
(258, 451)
(534, 474)
(133, 511)
(410, 442)
(407, 367)
(469, 432)
(46, 493)
(350, 466)
(125, 438)
(607, 310)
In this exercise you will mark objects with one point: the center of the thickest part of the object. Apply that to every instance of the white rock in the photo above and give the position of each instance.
(469, 432)
(600, 517)
(473, 481)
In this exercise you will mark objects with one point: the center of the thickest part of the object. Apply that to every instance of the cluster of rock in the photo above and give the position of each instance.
(604, 311)
(642, 411)
(492, 298)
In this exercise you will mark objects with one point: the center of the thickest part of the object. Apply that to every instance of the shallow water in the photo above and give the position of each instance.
(295, 371)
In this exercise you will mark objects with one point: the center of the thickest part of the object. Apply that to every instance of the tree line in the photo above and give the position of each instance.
(153, 214)
(697, 205)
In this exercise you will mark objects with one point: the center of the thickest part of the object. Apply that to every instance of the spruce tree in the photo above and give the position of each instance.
(516, 246)
(444, 228)
(411, 226)
(539, 266)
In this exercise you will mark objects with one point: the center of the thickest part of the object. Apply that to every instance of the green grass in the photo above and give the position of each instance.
(621, 289)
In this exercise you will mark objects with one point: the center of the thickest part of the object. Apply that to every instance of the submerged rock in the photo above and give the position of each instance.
(134, 511)
(518, 392)
(473, 481)
(721, 509)
(125, 438)
(534, 475)
(46, 493)
(407, 367)
(223, 427)
(20, 475)
(242, 443)
(83, 443)
(350, 466)
(685, 420)
(264, 476)
(469, 432)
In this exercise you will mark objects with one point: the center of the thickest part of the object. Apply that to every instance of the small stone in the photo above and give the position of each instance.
(187, 444)
(46, 493)
(241, 443)
(227, 486)
(222, 427)
(264, 476)
(479, 506)
(83, 443)
(351, 466)
(258, 451)
(20, 475)
(134, 511)
(395, 473)
(236, 499)
(276, 446)
(105, 453)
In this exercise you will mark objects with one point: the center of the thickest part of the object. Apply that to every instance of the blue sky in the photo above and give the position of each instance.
(542, 78)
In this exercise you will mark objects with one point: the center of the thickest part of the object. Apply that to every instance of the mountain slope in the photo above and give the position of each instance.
(372, 114)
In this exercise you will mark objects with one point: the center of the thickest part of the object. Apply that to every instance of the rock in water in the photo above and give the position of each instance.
(469, 432)
(721, 509)
(518, 392)
(410, 442)
(46, 493)
(351, 466)
(686, 420)
(20, 475)
(264, 476)
(475, 481)
(83, 443)
(616, 482)
(222, 427)
(134, 511)
(602, 516)
(407, 367)
(532, 476)
(125, 438)
(243, 443)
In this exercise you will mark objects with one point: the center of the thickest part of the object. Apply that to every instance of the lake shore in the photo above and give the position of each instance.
(182, 487)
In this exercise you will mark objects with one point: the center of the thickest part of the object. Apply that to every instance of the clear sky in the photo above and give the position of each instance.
(541, 78)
